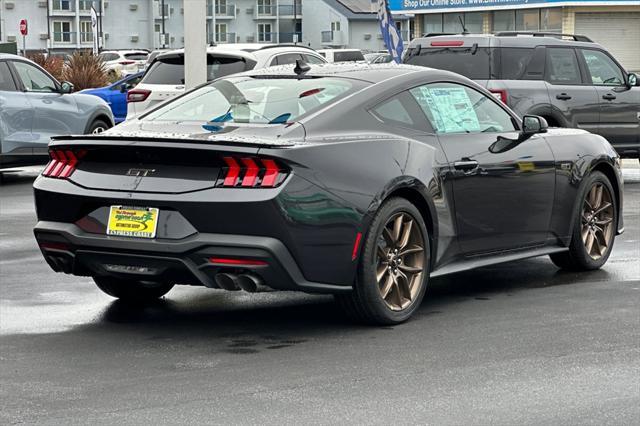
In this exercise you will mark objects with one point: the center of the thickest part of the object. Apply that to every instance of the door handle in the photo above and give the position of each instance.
(465, 165)
(563, 97)
(609, 96)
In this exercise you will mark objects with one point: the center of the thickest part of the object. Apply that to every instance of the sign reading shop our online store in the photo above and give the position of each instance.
(443, 5)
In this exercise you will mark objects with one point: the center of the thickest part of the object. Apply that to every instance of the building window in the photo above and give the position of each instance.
(264, 33)
(264, 7)
(335, 26)
(85, 4)
(62, 32)
(221, 7)
(504, 20)
(221, 33)
(86, 32)
(551, 19)
(452, 22)
(62, 5)
(528, 20)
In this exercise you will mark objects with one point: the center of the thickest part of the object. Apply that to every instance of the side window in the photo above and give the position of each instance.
(603, 71)
(33, 79)
(562, 66)
(312, 59)
(287, 58)
(6, 81)
(402, 110)
(453, 108)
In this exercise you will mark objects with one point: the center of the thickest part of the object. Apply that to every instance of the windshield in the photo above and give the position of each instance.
(268, 100)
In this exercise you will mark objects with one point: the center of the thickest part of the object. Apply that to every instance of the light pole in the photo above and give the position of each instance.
(164, 34)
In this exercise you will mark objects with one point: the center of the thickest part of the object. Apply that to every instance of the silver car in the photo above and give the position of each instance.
(34, 106)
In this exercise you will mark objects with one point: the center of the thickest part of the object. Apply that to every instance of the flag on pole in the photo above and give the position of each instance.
(390, 33)
(94, 30)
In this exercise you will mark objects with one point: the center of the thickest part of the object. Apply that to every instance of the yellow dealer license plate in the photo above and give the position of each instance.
(133, 221)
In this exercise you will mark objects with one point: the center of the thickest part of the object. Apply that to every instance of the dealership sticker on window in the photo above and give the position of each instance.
(451, 108)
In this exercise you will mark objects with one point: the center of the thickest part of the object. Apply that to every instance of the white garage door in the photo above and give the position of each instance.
(619, 33)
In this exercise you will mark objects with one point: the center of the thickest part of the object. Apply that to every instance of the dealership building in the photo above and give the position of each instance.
(613, 24)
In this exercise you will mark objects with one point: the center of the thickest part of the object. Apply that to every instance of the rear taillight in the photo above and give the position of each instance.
(500, 95)
(251, 172)
(137, 95)
(126, 62)
(63, 162)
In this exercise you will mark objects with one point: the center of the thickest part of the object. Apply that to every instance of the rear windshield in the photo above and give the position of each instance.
(246, 99)
(136, 56)
(471, 62)
(171, 70)
(355, 55)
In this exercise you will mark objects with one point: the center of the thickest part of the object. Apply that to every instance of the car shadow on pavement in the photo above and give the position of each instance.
(224, 312)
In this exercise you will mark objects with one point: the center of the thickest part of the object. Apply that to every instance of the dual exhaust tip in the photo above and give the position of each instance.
(247, 282)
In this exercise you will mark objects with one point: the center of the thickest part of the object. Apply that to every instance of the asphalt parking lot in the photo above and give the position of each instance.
(520, 343)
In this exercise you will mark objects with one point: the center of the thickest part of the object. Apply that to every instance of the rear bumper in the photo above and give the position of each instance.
(69, 249)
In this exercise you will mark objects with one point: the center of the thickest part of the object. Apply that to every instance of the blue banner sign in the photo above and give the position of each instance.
(460, 5)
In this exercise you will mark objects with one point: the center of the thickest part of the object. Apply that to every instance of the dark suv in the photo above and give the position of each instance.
(567, 79)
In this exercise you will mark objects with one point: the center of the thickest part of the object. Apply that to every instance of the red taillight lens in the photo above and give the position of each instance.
(137, 95)
(500, 95)
(63, 163)
(449, 43)
(251, 172)
(126, 62)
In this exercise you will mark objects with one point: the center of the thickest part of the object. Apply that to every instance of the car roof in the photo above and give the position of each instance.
(245, 50)
(11, 56)
(339, 50)
(506, 39)
(125, 51)
(373, 73)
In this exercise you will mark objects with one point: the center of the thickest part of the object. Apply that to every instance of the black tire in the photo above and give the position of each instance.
(132, 291)
(365, 303)
(577, 258)
(98, 126)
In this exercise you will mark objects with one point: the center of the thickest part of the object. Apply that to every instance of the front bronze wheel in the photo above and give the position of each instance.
(393, 266)
(594, 228)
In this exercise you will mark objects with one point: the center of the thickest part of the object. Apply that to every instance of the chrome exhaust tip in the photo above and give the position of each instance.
(227, 281)
(250, 283)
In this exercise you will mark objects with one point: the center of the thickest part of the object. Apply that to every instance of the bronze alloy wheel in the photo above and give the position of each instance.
(400, 262)
(597, 221)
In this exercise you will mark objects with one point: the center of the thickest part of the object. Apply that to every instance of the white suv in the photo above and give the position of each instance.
(164, 78)
(124, 62)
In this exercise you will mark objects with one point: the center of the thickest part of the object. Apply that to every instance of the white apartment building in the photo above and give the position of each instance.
(65, 25)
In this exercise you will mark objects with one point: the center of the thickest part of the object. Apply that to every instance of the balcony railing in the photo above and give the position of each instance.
(222, 11)
(267, 37)
(290, 37)
(265, 10)
(288, 9)
(63, 6)
(225, 38)
(86, 38)
(64, 37)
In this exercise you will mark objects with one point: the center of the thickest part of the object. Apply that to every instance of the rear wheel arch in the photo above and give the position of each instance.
(100, 116)
(425, 206)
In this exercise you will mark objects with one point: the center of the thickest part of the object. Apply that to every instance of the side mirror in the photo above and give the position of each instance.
(633, 80)
(532, 124)
(66, 87)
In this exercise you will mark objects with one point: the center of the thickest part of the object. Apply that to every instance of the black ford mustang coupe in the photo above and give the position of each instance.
(358, 180)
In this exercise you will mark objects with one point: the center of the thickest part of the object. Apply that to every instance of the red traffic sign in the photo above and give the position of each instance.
(24, 30)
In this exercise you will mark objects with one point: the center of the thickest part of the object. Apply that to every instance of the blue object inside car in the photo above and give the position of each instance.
(116, 95)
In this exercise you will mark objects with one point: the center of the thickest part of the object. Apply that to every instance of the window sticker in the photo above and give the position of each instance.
(451, 108)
